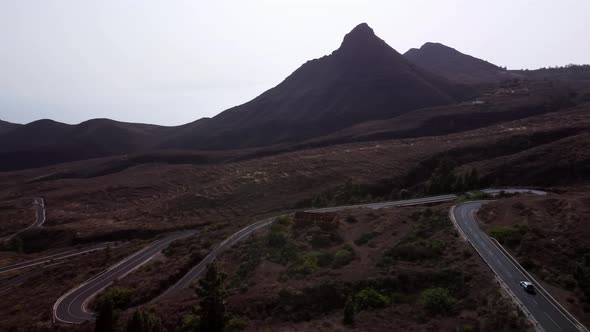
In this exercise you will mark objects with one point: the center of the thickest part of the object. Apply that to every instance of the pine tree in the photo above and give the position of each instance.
(212, 303)
(106, 317)
(137, 323)
(143, 321)
(473, 179)
(349, 311)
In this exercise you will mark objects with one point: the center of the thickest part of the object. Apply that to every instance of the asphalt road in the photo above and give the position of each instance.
(71, 307)
(39, 218)
(188, 278)
(54, 257)
(191, 275)
(539, 306)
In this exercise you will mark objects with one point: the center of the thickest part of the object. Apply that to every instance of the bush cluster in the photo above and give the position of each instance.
(365, 238)
(510, 235)
(437, 300)
(418, 245)
(344, 255)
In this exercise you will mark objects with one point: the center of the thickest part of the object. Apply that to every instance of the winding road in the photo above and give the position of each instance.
(543, 310)
(54, 257)
(71, 307)
(39, 218)
(186, 281)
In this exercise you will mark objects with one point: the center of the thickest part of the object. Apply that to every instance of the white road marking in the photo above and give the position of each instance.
(552, 321)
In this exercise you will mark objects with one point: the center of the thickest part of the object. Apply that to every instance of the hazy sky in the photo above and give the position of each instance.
(171, 62)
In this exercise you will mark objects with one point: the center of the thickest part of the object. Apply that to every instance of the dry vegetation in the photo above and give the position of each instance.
(549, 237)
(298, 275)
(121, 198)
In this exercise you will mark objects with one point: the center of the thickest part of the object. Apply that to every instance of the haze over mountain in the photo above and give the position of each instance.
(46, 142)
(365, 79)
(326, 100)
(454, 65)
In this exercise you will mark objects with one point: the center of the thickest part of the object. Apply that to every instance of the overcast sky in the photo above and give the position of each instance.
(171, 62)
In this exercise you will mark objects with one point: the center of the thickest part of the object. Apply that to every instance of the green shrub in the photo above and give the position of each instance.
(144, 321)
(344, 255)
(325, 258)
(370, 298)
(173, 248)
(120, 296)
(306, 264)
(349, 311)
(275, 239)
(190, 322)
(365, 238)
(437, 299)
(283, 220)
(509, 235)
(235, 324)
(473, 195)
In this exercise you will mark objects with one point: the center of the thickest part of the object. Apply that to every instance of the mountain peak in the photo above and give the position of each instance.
(360, 35)
(362, 29)
(362, 41)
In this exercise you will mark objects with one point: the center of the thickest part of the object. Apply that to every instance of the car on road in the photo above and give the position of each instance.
(527, 286)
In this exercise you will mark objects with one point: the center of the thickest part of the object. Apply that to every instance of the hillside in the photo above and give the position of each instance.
(569, 72)
(6, 126)
(143, 200)
(47, 142)
(454, 65)
(365, 79)
(555, 244)
(525, 99)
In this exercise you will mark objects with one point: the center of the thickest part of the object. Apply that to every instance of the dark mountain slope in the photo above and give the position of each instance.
(47, 142)
(6, 126)
(456, 66)
(365, 79)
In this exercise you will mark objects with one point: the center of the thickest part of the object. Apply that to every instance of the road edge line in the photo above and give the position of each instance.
(502, 284)
(545, 293)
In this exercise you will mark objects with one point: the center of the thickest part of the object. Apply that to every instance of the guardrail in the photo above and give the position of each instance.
(514, 298)
(545, 293)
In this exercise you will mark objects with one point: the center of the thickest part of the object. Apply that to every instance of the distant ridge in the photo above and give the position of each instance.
(6, 126)
(46, 142)
(454, 65)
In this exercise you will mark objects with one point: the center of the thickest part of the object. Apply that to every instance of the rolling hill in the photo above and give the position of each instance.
(46, 142)
(456, 66)
(6, 126)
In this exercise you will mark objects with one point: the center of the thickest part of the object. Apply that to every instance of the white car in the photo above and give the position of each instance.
(527, 286)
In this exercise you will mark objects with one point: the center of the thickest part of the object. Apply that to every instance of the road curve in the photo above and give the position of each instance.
(71, 307)
(39, 218)
(549, 316)
(187, 279)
